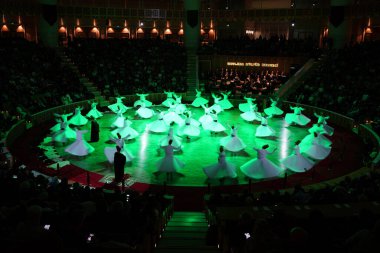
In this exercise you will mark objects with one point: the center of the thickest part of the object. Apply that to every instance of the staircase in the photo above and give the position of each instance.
(191, 72)
(185, 233)
(296, 80)
(91, 87)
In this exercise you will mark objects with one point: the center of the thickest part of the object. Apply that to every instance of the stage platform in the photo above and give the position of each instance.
(196, 153)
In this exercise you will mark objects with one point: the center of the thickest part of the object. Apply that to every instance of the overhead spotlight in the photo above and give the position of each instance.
(293, 23)
(292, 3)
(141, 23)
(228, 25)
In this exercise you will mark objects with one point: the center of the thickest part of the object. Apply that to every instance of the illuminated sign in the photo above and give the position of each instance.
(252, 64)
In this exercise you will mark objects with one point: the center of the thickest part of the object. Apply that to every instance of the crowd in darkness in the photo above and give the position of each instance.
(346, 81)
(44, 214)
(264, 82)
(32, 78)
(274, 46)
(317, 231)
(129, 66)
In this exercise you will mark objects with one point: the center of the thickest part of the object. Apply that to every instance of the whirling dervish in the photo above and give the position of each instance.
(119, 105)
(179, 108)
(159, 125)
(144, 112)
(214, 126)
(245, 107)
(94, 112)
(216, 106)
(199, 100)
(297, 162)
(142, 101)
(176, 141)
(322, 120)
(60, 118)
(273, 109)
(314, 149)
(225, 103)
(261, 167)
(252, 114)
(264, 130)
(206, 117)
(296, 117)
(118, 120)
(169, 163)
(190, 128)
(64, 133)
(320, 138)
(232, 142)
(222, 168)
(125, 131)
(78, 119)
(171, 115)
(110, 151)
(169, 98)
(80, 147)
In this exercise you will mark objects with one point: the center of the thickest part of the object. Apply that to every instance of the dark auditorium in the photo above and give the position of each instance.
(190, 126)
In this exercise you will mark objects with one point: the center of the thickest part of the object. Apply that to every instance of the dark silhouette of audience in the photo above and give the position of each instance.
(33, 79)
(346, 81)
(123, 67)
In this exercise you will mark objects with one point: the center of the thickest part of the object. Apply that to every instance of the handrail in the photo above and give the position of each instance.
(295, 79)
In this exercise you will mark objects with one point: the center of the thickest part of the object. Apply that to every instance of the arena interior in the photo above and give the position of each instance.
(165, 126)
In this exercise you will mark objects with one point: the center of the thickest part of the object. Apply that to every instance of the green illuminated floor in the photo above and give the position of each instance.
(196, 154)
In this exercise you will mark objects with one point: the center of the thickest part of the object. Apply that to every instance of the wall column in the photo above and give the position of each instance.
(192, 35)
(192, 23)
(339, 23)
(48, 23)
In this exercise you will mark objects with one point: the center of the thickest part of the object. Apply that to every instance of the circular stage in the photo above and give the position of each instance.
(196, 153)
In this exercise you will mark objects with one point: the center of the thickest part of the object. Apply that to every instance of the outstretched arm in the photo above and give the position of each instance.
(272, 151)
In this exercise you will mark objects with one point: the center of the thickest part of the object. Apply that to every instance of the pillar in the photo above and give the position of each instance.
(339, 23)
(192, 35)
(48, 23)
(192, 23)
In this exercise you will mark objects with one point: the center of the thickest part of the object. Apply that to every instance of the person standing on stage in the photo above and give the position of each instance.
(94, 130)
(119, 163)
